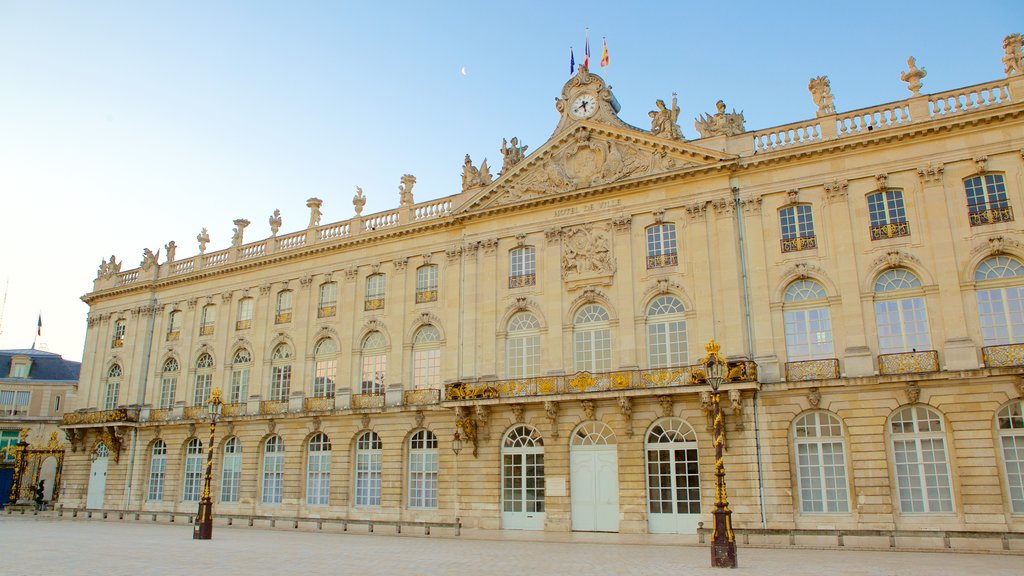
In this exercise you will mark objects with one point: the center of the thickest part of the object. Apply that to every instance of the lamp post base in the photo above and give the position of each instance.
(203, 529)
(723, 547)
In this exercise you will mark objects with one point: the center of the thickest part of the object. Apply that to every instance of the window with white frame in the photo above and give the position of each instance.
(326, 368)
(922, 467)
(157, 470)
(661, 246)
(1010, 422)
(666, 333)
(900, 314)
(807, 322)
(168, 383)
(117, 340)
(318, 471)
(423, 470)
(374, 363)
(328, 303)
(204, 380)
(20, 369)
(426, 283)
(193, 471)
(14, 402)
(244, 319)
(522, 470)
(374, 292)
(281, 373)
(522, 267)
(821, 463)
(273, 470)
(986, 199)
(207, 319)
(887, 214)
(113, 387)
(797, 223)
(8, 438)
(231, 471)
(283, 312)
(523, 346)
(241, 364)
(592, 340)
(368, 461)
(174, 325)
(426, 358)
(1000, 296)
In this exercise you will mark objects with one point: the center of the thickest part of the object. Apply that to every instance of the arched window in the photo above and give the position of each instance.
(887, 214)
(986, 199)
(522, 478)
(900, 314)
(426, 358)
(326, 355)
(426, 283)
(193, 471)
(273, 470)
(666, 333)
(522, 267)
(368, 451)
(157, 468)
(240, 365)
(168, 383)
(204, 380)
(207, 319)
(523, 346)
(922, 469)
(117, 339)
(1010, 421)
(231, 475)
(821, 463)
(281, 373)
(423, 470)
(593, 340)
(1001, 300)
(113, 388)
(174, 325)
(661, 246)
(807, 321)
(328, 304)
(244, 320)
(318, 471)
(283, 312)
(374, 366)
(673, 476)
(797, 223)
(374, 292)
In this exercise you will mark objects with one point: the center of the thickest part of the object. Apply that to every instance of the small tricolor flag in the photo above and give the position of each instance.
(604, 53)
(39, 325)
(572, 62)
(586, 51)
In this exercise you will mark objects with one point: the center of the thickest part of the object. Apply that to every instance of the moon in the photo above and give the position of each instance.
(463, 71)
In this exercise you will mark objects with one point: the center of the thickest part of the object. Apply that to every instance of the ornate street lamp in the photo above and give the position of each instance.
(723, 541)
(204, 522)
(456, 443)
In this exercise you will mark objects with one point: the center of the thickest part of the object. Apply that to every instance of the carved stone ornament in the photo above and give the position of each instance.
(659, 216)
(517, 413)
(418, 418)
(721, 123)
(375, 268)
(664, 120)
(723, 206)
(358, 201)
(315, 424)
(913, 76)
(191, 429)
(489, 245)
(467, 425)
(426, 258)
(667, 405)
(203, 237)
(191, 303)
(512, 154)
(626, 409)
(1020, 387)
(314, 205)
(264, 289)
(238, 231)
(482, 413)
(401, 263)
(452, 254)
(982, 164)
(171, 248)
(696, 210)
(275, 222)
(521, 303)
(913, 392)
(836, 190)
(736, 404)
(882, 181)
(894, 259)
(552, 234)
(365, 421)
(225, 297)
(622, 223)
(997, 245)
(149, 259)
(587, 251)
(405, 190)
(473, 177)
(306, 280)
(551, 413)
(751, 205)
(108, 268)
(821, 94)
(1013, 55)
(351, 272)
(705, 406)
(932, 173)
(588, 409)
(271, 426)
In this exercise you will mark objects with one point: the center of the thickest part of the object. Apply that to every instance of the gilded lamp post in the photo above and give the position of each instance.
(723, 541)
(204, 522)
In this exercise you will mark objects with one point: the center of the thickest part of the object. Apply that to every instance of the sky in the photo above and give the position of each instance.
(124, 125)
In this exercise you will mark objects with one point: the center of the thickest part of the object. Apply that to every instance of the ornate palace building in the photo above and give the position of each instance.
(862, 271)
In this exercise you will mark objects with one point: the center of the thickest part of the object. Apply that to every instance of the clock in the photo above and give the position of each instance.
(583, 107)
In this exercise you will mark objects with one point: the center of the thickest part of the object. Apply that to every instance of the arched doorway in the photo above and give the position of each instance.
(673, 477)
(98, 477)
(48, 474)
(594, 473)
(522, 479)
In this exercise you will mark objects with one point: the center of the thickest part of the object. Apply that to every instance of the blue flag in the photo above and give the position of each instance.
(572, 62)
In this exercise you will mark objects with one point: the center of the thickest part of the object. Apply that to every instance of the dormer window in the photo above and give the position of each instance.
(20, 367)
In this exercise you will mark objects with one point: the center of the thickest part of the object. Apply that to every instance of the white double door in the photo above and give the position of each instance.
(594, 475)
(97, 479)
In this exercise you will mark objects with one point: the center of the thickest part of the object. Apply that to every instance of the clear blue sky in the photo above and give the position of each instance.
(124, 125)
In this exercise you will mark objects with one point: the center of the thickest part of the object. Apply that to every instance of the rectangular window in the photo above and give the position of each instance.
(280, 382)
(323, 381)
(231, 480)
(117, 341)
(206, 320)
(110, 401)
(593, 350)
(202, 390)
(193, 477)
(174, 326)
(239, 386)
(367, 478)
(423, 479)
(273, 478)
(1001, 312)
(902, 326)
(284, 307)
(244, 321)
(821, 475)
(7, 438)
(374, 292)
(167, 386)
(426, 369)
(374, 368)
(661, 246)
(797, 226)
(986, 200)
(20, 371)
(426, 284)
(888, 215)
(318, 478)
(523, 356)
(157, 468)
(522, 267)
(808, 334)
(328, 305)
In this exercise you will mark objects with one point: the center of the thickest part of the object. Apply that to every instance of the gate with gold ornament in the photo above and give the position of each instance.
(32, 464)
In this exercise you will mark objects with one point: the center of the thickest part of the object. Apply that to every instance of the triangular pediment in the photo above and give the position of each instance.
(589, 155)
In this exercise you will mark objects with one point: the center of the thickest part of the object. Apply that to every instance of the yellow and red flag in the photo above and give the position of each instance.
(604, 53)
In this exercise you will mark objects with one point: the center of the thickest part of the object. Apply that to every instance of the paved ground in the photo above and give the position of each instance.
(38, 546)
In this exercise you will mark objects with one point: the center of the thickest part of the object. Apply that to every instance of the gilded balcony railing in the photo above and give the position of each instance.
(909, 362)
(102, 416)
(194, 412)
(373, 304)
(799, 243)
(282, 317)
(426, 296)
(237, 409)
(522, 280)
(662, 260)
(173, 335)
(991, 216)
(206, 330)
(421, 397)
(326, 311)
(372, 400)
(318, 403)
(581, 382)
(160, 414)
(812, 370)
(273, 406)
(117, 343)
(1005, 355)
(890, 230)
(243, 324)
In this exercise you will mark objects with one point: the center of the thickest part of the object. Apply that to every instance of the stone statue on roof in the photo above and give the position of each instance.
(1013, 59)
(722, 123)
(664, 120)
(821, 93)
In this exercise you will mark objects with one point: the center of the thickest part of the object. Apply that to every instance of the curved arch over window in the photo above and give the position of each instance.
(157, 471)
(326, 368)
(807, 321)
(523, 436)
(368, 460)
(318, 470)
(426, 358)
(522, 347)
(592, 339)
(522, 474)
(821, 463)
(803, 290)
(280, 373)
(168, 383)
(896, 279)
(374, 363)
(1000, 298)
(204, 380)
(423, 470)
(231, 471)
(241, 363)
(114, 371)
(273, 470)
(900, 318)
(922, 468)
(1010, 422)
(193, 471)
(592, 433)
(666, 333)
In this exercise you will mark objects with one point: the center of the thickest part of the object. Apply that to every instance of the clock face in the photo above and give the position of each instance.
(584, 106)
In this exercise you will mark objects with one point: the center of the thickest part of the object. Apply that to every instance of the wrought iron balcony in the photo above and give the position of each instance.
(799, 243)
(812, 370)
(1005, 355)
(194, 412)
(101, 416)
(991, 216)
(173, 335)
(160, 414)
(373, 304)
(426, 296)
(522, 280)
(206, 330)
(909, 362)
(243, 324)
(273, 406)
(318, 403)
(236, 409)
(662, 260)
(282, 317)
(890, 230)
(421, 397)
(326, 311)
(371, 400)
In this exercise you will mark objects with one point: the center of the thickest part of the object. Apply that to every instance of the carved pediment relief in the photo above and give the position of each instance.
(587, 252)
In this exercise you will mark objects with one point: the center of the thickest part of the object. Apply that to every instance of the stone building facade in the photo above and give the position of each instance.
(863, 273)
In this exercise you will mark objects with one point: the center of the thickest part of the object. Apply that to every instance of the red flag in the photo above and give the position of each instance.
(604, 54)
(586, 52)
